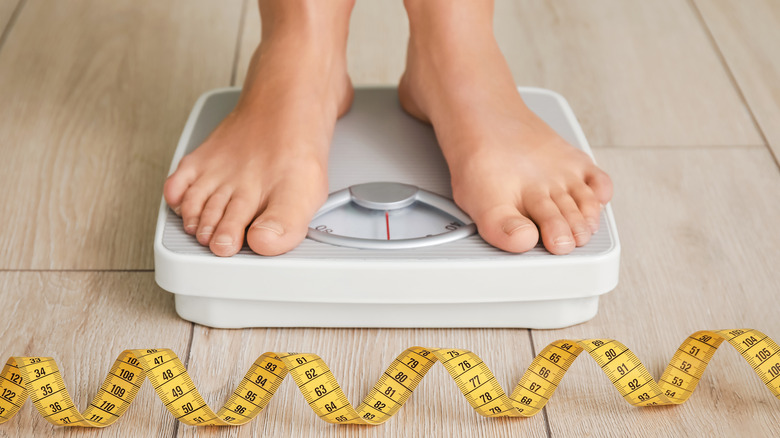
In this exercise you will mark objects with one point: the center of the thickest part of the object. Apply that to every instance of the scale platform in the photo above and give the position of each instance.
(459, 283)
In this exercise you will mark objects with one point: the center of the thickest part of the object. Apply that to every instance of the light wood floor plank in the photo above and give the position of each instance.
(7, 8)
(95, 95)
(636, 73)
(748, 33)
(378, 35)
(700, 251)
(84, 320)
(221, 357)
(250, 38)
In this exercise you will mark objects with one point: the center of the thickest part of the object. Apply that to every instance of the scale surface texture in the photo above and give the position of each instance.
(465, 283)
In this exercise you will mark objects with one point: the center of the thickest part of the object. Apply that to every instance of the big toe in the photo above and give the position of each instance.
(283, 224)
(277, 231)
(505, 228)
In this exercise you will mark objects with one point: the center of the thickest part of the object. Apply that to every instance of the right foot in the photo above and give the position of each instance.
(264, 167)
(510, 171)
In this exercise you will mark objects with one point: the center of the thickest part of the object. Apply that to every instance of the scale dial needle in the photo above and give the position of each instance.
(387, 222)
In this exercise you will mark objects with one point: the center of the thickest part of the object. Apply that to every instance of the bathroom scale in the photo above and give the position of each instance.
(389, 248)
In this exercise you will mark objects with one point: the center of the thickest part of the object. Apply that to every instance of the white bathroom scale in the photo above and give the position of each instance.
(388, 248)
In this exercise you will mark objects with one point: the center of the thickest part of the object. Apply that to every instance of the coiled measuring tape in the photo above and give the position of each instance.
(40, 378)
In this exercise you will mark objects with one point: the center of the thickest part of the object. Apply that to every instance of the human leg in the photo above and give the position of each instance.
(266, 163)
(510, 171)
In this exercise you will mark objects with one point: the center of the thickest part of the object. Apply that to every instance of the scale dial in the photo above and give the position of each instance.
(387, 215)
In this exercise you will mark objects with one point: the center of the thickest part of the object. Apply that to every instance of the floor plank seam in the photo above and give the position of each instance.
(77, 270)
(732, 77)
(237, 52)
(679, 147)
(544, 409)
(11, 21)
(186, 361)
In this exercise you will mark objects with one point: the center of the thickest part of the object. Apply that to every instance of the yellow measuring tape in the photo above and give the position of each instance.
(40, 378)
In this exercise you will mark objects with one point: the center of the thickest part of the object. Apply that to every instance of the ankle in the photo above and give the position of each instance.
(450, 38)
(290, 65)
(453, 58)
(453, 21)
(306, 20)
(282, 76)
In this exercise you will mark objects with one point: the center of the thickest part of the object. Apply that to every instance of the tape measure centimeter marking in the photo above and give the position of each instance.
(39, 377)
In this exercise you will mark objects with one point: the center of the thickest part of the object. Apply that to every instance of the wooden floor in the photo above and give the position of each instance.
(681, 100)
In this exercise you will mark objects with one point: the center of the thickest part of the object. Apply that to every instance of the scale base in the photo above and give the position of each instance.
(463, 283)
(547, 314)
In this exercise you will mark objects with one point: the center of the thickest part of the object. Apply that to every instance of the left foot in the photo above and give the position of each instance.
(510, 171)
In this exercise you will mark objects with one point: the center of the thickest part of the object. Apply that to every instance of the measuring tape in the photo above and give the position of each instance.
(40, 378)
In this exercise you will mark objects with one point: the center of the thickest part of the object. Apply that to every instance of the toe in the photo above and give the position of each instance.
(176, 185)
(192, 205)
(228, 236)
(555, 230)
(505, 228)
(589, 205)
(600, 183)
(579, 227)
(212, 214)
(284, 222)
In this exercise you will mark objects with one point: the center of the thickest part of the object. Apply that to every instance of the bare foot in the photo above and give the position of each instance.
(266, 163)
(509, 169)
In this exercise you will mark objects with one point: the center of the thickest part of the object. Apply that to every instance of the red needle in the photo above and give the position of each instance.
(387, 221)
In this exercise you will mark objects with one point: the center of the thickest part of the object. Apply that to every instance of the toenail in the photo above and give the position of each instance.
(223, 239)
(514, 225)
(191, 226)
(272, 226)
(593, 224)
(177, 210)
(206, 231)
(563, 241)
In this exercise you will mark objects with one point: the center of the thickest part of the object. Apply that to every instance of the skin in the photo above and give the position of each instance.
(265, 165)
(510, 171)
(261, 175)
